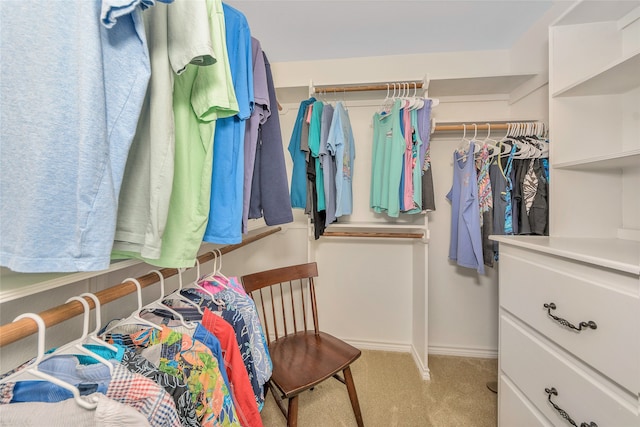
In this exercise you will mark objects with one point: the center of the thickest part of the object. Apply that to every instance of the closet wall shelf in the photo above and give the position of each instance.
(622, 160)
(18, 285)
(15, 331)
(617, 77)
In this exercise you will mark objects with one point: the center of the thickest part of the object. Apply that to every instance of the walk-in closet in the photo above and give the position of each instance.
(464, 174)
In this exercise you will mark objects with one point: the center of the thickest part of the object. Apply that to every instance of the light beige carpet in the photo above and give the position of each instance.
(393, 394)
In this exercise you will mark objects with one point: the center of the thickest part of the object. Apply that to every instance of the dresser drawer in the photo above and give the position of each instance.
(529, 280)
(515, 409)
(534, 366)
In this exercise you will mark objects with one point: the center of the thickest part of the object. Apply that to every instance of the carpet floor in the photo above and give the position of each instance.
(392, 394)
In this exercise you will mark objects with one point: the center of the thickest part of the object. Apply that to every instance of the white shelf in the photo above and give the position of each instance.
(623, 160)
(618, 77)
(590, 11)
(19, 285)
(617, 254)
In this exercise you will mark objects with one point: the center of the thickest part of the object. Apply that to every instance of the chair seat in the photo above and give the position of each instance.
(304, 359)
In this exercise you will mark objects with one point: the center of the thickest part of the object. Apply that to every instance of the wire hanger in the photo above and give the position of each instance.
(134, 318)
(31, 372)
(157, 304)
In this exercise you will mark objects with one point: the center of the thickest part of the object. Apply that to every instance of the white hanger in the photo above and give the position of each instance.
(134, 318)
(76, 347)
(31, 372)
(197, 285)
(218, 270)
(176, 295)
(159, 305)
(465, 143)
(93, 336)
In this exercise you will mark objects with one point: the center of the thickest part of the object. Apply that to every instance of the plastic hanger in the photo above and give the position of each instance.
(93, 336)
(134, 318)
(31, 372)
(76, 347)
(157, 304)
(198, 286)
(218, 271)
(176, 295)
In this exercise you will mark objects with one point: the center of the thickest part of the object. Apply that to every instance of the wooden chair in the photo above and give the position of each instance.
(302, 357)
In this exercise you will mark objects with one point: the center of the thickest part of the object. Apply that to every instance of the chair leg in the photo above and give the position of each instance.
(353, 396)
(292, 413)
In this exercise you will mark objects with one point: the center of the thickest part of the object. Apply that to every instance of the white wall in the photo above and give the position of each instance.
(368, 289)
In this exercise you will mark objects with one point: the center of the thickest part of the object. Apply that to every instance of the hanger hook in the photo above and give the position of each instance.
(464, 130)
(41, 331)
(161, 281)
(488, 130)
(475, 131)
(85, 314)
(96, 301)
(138, 289)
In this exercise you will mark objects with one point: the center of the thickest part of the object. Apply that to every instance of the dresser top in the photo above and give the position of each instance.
(617, 254)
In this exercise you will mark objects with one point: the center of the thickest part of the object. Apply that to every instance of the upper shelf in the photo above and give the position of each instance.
(623, 160)
(618, 77)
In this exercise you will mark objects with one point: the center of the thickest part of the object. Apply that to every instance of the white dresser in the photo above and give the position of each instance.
(569, 332)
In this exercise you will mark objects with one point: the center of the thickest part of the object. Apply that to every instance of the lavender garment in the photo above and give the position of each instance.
(259, 115)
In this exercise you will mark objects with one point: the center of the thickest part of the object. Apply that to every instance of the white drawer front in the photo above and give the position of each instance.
(534, 366)
(515, 410)
(613, 347)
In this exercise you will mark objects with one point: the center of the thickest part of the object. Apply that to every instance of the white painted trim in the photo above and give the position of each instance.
(396, 347)
(483, 353)
(424, 370)
(381, 346)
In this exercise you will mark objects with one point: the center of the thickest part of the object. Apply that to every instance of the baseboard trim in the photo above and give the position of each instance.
(381, 346)
(482, 353)
(395, 347)
(424, 370)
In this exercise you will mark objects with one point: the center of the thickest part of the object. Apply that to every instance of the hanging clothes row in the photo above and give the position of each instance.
(499, 187)
(195, 357)
(323, 151)
(167, 140)
(401, 174)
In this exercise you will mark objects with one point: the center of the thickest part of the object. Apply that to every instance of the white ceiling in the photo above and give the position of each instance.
(299, 30)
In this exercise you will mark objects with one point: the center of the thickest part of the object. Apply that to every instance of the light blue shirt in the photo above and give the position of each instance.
(342, 146)
(71, 91)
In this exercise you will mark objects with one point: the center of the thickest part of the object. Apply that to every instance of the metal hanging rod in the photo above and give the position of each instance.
(12, 332)
(486, 126)
(364, 88)
(410, 84)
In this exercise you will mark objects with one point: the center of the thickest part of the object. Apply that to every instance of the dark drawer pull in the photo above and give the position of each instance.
(590, 324)
(562, 412)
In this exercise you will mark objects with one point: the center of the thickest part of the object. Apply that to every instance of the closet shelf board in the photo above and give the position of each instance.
(618, 77)
(617, 254)
(623, 160)
(587, 12)
(374, 226)
(18, 285)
